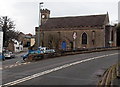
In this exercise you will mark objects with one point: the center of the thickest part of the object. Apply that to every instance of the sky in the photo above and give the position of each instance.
(25, 13)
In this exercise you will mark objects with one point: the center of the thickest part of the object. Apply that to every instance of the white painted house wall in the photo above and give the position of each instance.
(119, 12)
(1, 41)
(17, 46)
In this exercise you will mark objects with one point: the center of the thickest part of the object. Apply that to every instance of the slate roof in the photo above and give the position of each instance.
(71, 22)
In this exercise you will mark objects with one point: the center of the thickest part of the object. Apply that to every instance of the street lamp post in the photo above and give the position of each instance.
(40, 5)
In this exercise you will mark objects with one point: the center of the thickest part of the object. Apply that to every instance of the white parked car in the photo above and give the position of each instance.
(9, 55)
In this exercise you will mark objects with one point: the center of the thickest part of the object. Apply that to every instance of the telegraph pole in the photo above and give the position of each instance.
(40, 5)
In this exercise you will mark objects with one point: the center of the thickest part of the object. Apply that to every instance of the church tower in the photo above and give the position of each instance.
(45, 15)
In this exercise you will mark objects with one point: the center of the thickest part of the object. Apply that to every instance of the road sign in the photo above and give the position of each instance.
(74, 35)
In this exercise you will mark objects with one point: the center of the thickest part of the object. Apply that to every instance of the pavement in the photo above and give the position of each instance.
(80, 69)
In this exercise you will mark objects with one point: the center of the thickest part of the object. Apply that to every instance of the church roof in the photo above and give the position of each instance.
(77, 21)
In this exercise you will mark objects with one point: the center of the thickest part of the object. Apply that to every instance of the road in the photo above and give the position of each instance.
(17, 58)
(80, 69)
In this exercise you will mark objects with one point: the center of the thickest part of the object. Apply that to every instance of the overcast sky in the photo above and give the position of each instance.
(25, 13)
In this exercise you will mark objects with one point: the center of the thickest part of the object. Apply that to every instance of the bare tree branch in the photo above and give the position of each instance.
(8, 28)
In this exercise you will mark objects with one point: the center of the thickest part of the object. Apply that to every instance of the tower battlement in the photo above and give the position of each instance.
(45, 11)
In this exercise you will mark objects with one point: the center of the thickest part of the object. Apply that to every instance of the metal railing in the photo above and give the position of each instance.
(109, 76)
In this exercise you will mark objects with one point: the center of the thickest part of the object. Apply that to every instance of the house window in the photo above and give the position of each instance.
(15, 42)
(93, 35)
(17, 47)
(84, 38)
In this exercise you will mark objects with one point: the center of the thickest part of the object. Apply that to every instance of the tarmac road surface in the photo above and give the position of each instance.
(80, 69)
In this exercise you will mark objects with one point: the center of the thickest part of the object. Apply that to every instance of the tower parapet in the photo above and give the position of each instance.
(45, 13)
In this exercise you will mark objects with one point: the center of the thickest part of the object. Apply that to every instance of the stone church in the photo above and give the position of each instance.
(75, 32)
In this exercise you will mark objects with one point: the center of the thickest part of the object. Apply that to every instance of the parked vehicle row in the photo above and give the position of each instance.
(38, 54)
(30, 55)
(6, 55)
(9, 55)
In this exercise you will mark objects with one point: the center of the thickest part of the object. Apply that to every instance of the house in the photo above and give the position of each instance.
(27, 39)
(15, 46)
(75, 32)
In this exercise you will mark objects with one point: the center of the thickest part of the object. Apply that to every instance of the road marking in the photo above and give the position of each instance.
(14, 65)
(53, 70)
(17, 62)
(11, 66)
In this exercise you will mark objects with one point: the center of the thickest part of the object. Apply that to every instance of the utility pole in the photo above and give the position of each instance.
(40, 5)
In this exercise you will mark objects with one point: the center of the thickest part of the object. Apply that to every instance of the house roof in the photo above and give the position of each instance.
(78, 21)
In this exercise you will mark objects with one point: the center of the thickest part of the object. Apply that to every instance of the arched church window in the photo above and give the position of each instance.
(93, 37)
(84, 38)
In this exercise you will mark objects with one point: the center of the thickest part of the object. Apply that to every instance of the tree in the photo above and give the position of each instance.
(8, 28)
(53, 41)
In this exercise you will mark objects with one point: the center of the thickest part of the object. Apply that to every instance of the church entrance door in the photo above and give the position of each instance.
(64, 45)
